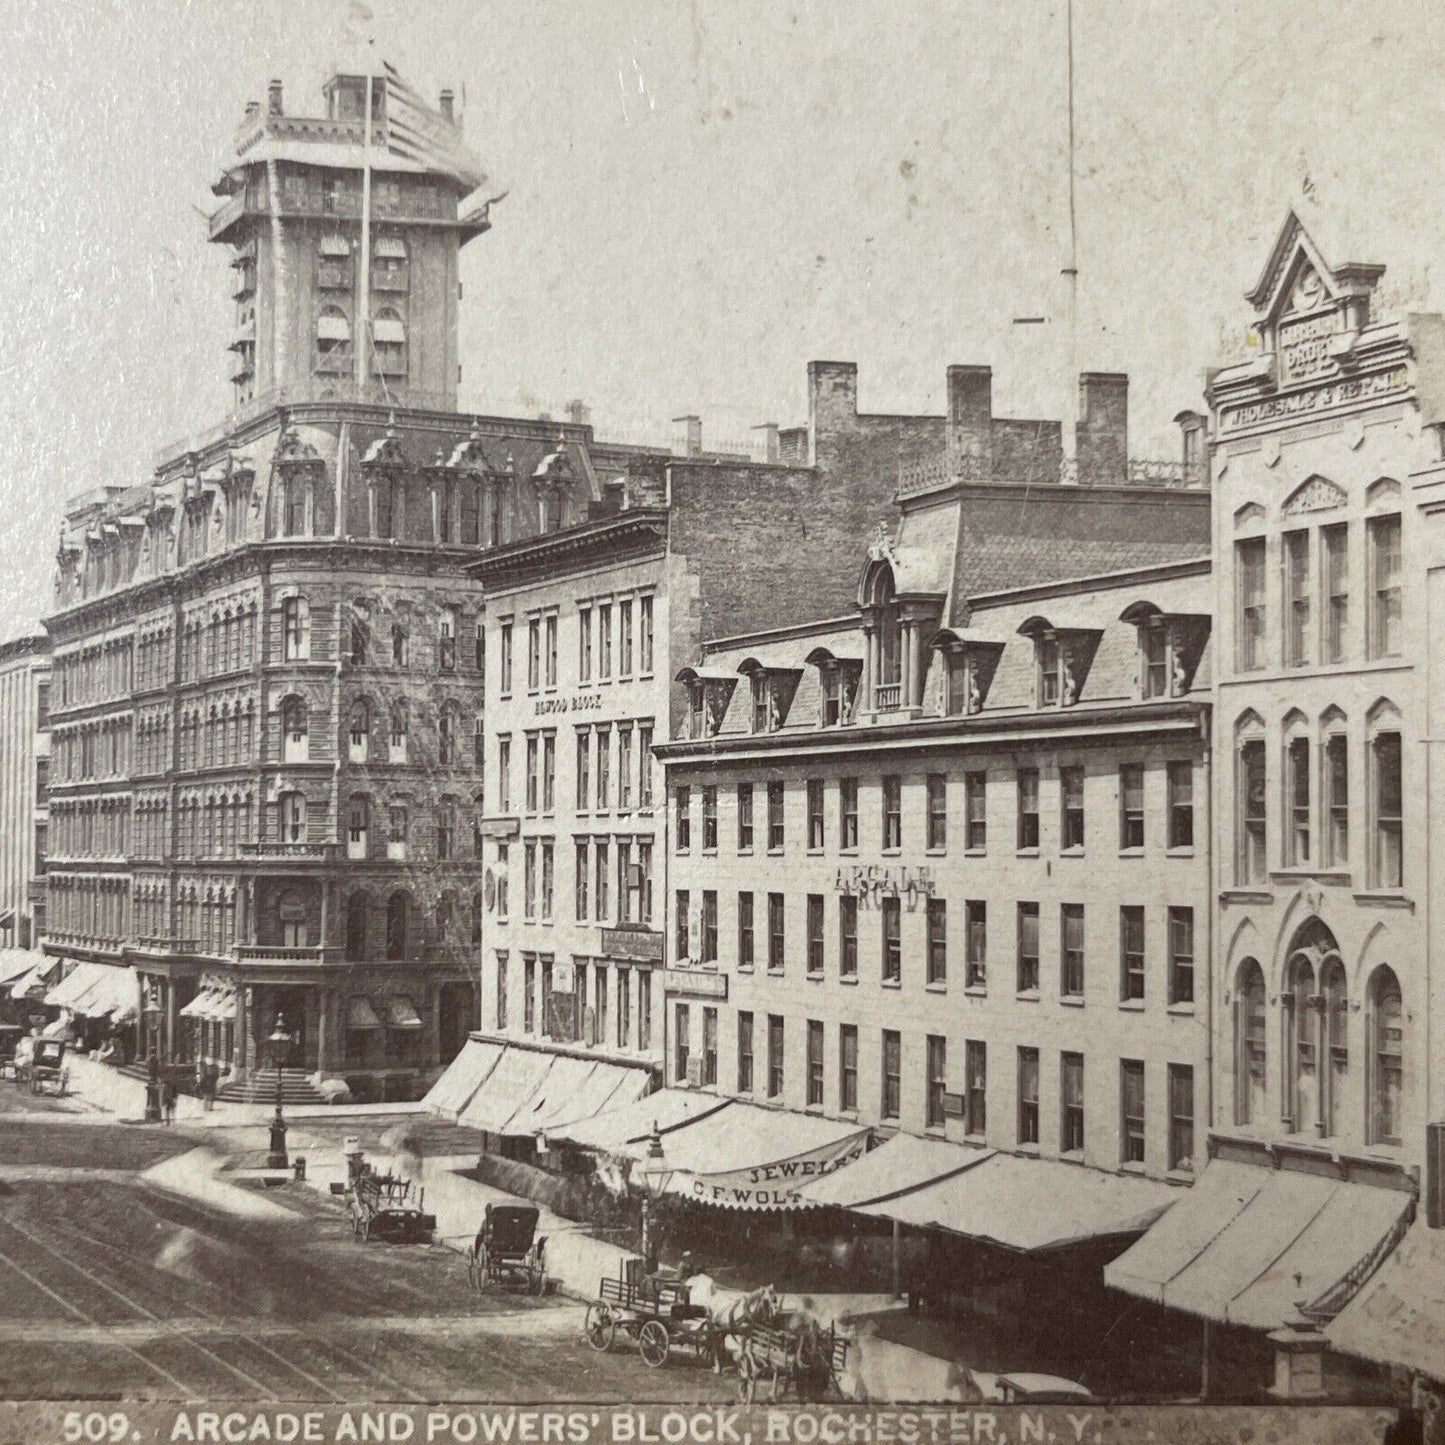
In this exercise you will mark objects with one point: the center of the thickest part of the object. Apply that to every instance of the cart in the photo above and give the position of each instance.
(805, 1358)
(508, 1250)
(657, 1315)
(49, 1073)
(381, 1209)
(10, 1036)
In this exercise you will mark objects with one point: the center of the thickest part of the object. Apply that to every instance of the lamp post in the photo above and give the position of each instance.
(280, 1041)
(656, 1176)
(152, 1012)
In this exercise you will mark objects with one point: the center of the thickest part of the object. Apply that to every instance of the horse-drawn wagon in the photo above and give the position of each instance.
(47, 1070)
(800, 1356)
(508, 1249)
(381, 1208)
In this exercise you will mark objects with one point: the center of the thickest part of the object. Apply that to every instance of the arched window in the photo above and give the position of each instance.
(293, 817)
(1250, 1048)
(398, 924)
(447, 626)
(357, 906)
(399, 648)
(360, 634)
(446, 916)
(888, 678)
(296, 518)
(1337, 1064)
(295, 735)
(448, 724)
(1301, 1047)
(296, 629)
(333, 340)
(1251, 801)
(1298, 772)
(478, 810)
(446, 827)
(291, 913)
(358, 826)
(358, 737)
(388, 342)
(1387, 1058)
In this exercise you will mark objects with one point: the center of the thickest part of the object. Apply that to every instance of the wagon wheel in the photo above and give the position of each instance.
(600, 1327)
(64, 1082)
(652, 1343)
(537, 1280)
(477, 1266)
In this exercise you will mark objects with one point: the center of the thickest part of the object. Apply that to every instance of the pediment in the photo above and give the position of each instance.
(1314, 495)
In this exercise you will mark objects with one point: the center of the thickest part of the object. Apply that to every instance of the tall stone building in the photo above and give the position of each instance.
(24, 789)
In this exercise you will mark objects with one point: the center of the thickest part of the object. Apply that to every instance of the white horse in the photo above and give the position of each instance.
(731, 1313)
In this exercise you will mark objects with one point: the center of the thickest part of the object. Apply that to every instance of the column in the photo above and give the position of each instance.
(867, 701)
(325, 1037)
(915, 696)
(170, 1044)
(908, 629)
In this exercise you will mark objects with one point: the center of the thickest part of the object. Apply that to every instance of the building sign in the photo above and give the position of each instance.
(579, 702)
(695, 983)
(1330, 397)
(634, 945)
(770, 1186)
(870, 883)
(564, 980)
(1303, 343)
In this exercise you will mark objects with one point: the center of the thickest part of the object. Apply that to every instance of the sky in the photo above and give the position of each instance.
(702, 197)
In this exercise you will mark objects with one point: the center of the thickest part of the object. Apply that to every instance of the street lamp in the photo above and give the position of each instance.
(151, 1009)
(656, 1176)
(280, 1042)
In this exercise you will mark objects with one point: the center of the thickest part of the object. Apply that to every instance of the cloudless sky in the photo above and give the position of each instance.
(704, 196)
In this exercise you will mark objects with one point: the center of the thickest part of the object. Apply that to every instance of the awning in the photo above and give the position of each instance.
(113, 991)
(609, 1086)
(15, 961)
(332, 328)
(360, 1014)
(7, 918)
(1006, 1199)
(74, 984)
(463, 1077)
(516, 1074)
(563, 1077)
(387, 328)
(57, 1029)
(391, 246)
(618, 1130)
(1231, 1247)
(221, 1006)
(401, 1012)
(36, 982)
(335, 244)
(198, 1006)
(1398, 1316)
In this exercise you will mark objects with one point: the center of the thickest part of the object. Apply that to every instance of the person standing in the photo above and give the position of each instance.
(168, 1100)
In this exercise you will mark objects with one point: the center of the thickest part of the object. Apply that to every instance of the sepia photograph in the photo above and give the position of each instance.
(716, 723)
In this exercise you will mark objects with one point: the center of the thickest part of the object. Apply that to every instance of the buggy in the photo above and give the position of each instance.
(658, 1315)
(49, 1073)
(380, 1209)
(804, 1358)
(508, 1250)
(10, 1036)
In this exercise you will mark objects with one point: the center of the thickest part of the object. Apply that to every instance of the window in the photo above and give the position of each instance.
(1071, 950)
(848, 813)
(549, 771)
(775, 932)
(531, 775)
(682, 922)
(356, 910)
(975, 815)
(448, 726)
(644, 635)
(815, 933)
(359, 732)
(848, 1068)
(937, 811)
(1181, 1117)
(1383, 536)
(1250, 1057)
(1071, 1103)
(745, 817)
(447, 639)
(358, 829)
(505, 647)
(745, 1052)
(1131, 1110)
(293, 817)
(1049, 658)
(892, 961)
(1028, 1122)
(1180, 776)
(396, 831)
(1131, 952)
(360, 636)
(1336, 800)
(709, 818)
(604, 641)
(763, 716)
(624, 781)
(1336, 1032)
(534, 654)
(892, 811)
(775, 1056)
(848, 936)
(1131, 806)
(1253, 860)
(709, 1046)
(624, 639)
(549, 650)
(1154, 657)
(1249, 565)
(398, 925)
(1071, 808)
(1387, 1058)
(644, 868)
(399, 648)
(1335, 590)
(975, 923)
(937, 972)
(644, 766)
(503, 889)
(548, 878)
(937, 1080)
(1028, 947)
(581, 870)
(584, 644)
(709, 925)
(775, 816)
(683, 798)
(815, 814)
(529, 992)
(296, 742)
(529, 879)
(745, 930)
(975, 1087)
(600, 851)
(584, 769)
(502, 990)
(1297, 802)
(1181, 955)
(682, 1040)
(1387, 801)
(815, 1064)
(296, 629)
(1028, 805)
(892, 1073)
(1296, 549)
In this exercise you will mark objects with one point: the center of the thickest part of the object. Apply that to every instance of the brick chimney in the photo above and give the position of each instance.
(446, 105)
(1193, 446)
(694, 434)
(1102, 436)
(273, 98)
(970, 422)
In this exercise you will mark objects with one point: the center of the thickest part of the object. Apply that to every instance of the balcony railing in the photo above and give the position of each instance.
(292, 852)
(306, 954)
(166, 946)
(918, 478)
(888, 696)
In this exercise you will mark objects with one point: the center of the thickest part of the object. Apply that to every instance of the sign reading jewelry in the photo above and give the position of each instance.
(870, 883)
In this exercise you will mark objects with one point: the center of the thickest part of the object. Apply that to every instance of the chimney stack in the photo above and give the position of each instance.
(446, 102)
(970, 422)
(253, 109)
(273, 98)
(1193, 439)
(774, 451)
(1101, 441)
(579, 413)
(694, 434)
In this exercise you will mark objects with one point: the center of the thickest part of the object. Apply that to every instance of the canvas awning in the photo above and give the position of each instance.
(112, 990)
(15, 961)
(56, 1029)
(1398, 1315)
(1005, 1199)
(1232, 1246)
(620, 1130)
(401, 1012)
(390, 246)
(609, 1086)
(388, 328)
(463, 1077)
(35, 983)
(360, 1014)
(197, 1008)
(74, 984)
(516, 1074)
(333, 328)
(221, 1006)
(335, 244)
(7, 918)
(564, 1076)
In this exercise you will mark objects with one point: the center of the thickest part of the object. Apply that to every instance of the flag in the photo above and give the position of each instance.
(418, 133)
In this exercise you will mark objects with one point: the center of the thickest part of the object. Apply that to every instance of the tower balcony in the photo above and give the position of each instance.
(271, 853)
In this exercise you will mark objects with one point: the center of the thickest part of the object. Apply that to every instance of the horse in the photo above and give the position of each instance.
(731, 1313)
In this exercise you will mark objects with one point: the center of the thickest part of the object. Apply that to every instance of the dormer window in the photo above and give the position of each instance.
(1055, 679)
(1169, 648)
(1061, 660)
(838, 680)
(773, 689)
(971, 661)
(708, 694)
(765, 717)
(1154, 658)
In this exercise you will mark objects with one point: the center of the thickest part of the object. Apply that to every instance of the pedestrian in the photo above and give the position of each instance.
(212, 1081)
(168, 1100)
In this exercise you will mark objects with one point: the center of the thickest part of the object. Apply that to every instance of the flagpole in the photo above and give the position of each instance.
(363, 318)
(1071, 276)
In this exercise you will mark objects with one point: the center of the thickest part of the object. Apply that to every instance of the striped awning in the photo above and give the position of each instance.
(360, 1014)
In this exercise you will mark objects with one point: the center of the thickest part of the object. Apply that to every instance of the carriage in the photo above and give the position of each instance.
(508, 1250)
(657, 1315)
(48, 1072)
(381, 1208)
(802, 1357)
(10, 1036)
